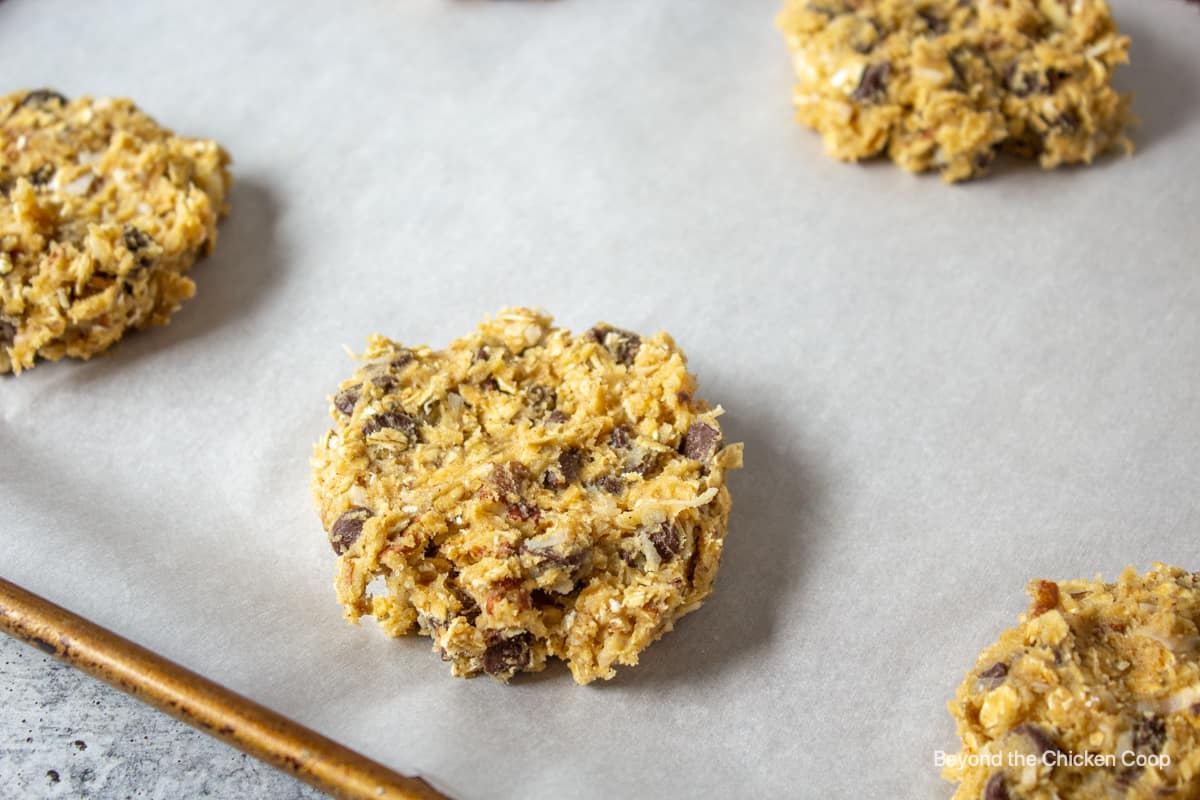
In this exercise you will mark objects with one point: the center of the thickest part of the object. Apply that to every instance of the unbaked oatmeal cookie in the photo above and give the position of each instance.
(525, 493)
(946, 84)
(1095, 694)
(103, 214)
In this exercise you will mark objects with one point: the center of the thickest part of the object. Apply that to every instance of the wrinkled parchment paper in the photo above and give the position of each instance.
(943, 391)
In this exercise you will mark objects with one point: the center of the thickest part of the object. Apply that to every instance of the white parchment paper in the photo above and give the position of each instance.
(943, 391)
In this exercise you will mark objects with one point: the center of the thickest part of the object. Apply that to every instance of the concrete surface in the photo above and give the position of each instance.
(65, 734)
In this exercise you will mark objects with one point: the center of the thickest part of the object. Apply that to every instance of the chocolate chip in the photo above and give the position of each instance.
(560, 555)
(621, 437)
(570, 462)
(995, 788)
(1195, 709)
(8, 333)
(394, 420)
(507, 655)
(345, 400)
(1022, 82)
(1149, 735)
(41, 97)
(348, 528)
(386, 383)
(1045, 598)
(557, 417)
(1068, 121)
(873, 85)
(994, 675)
(666, 541)
(53, 775)
(1040, 739)
(42, 175)
(1053, 78)
(470, 609)
(997, 670)
(623, 345)
(385, 375)
(933, 23)
(135, 238)
(609, 483)
(510, 479)
(701, 441)
(542, 599)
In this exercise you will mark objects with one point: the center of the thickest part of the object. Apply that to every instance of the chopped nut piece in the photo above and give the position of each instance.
(347, 529)
(1045, 597)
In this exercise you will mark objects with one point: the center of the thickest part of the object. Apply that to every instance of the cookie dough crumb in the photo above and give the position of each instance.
(1095, 694)
(103, 213)
(525, 493)
(946, 84)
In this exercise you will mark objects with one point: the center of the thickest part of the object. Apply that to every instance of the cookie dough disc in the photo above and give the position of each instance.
(1095, 694)
(525, 493)
(945, 84)
(103, 212)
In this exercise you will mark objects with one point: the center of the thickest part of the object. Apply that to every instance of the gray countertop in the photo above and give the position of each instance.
(65, 734)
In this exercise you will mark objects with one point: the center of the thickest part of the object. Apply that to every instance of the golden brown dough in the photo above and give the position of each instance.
(944, 84)
(525, 493)
(1095, 694)
(104, 212)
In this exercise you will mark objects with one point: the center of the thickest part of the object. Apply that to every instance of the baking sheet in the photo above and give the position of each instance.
(943, 391)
